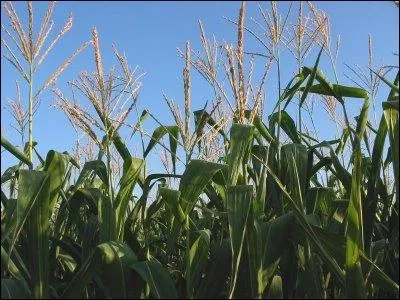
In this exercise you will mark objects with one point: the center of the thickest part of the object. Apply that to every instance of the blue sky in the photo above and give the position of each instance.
(149, 32)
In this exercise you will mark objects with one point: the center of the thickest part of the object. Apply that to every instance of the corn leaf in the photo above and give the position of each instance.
(287, 124)
(241, 140)
(158, 134)
(111, 260)
(198, 255)
(310, 79)
(238, 207)
(132, 168)
(355, 287)
(158, 279)
(13, 289)
(14, 151)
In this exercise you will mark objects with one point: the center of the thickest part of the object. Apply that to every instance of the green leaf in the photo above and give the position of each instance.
(198, 255)
(14, 151)
(96, 166)
(217, 271)
(275, 289)
(158, 134)
(238, 207)
(172, 199)
(132, 168)
(17, 269)
(13, 289)
(294, 162)
(56, 165)
(259, 204)
(158, 279)
(143, 116)
(37, 228)
(354, 242)
(335, 244)
(31, 183)
(341, 173)
(305, 226)
(107, 216)
(275, 236)
(374, 176)
(338, 90)
(173, 145)
(287, 124)
(319, 200)
(310, 79)
(263, 130)
(391, 105)
(9, 173)
(392, 122)
(201, 119)
(120, 146)
(110, 261)
(289, 93)
(196, 177)
(241, 140)
(394, 86)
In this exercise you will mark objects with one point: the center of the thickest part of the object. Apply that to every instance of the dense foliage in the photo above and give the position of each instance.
(276, 213)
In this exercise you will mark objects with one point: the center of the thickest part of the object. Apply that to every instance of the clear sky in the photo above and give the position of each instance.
(149, 32)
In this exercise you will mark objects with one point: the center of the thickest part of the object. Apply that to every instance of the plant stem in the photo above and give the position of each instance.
(299, 61)
(30, 120)
(279, 110)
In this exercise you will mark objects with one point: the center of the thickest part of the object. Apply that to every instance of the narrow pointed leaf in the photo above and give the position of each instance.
(238, 207)
(157, 277)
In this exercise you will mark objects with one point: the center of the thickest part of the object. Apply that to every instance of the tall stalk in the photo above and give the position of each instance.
(110, 177)
(32, 53)
(279, 109)
(30, 117)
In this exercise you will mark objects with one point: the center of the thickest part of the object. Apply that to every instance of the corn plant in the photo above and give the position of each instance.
(255, 220)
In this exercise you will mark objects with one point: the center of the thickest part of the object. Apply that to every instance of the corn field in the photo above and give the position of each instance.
(260, 208)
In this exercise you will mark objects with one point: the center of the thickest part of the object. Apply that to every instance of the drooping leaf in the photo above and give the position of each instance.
(157, 277)
(310, 78)
(287, 124)
(197, 175)
(96, 166)
(111, 258)
(263, 130)
(240, 145)
(56, 165)
(172, 199)
(14, 151)
(158, 134)
(9, 173)
(343, 91)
